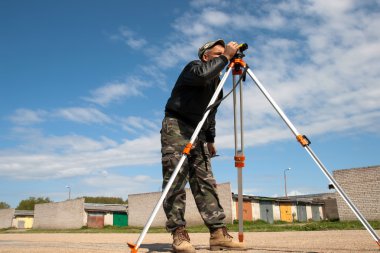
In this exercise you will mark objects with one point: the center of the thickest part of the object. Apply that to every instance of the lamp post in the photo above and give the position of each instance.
(286, 193)
(67, 186)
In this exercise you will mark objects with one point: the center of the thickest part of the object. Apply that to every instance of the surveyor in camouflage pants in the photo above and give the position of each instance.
(196, 168)
(184, 109)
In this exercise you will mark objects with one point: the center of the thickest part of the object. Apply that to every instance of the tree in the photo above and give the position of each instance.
(4, 205)
(105, 200)
(28, 204)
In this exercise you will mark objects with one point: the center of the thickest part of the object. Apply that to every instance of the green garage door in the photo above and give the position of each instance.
(120, 219)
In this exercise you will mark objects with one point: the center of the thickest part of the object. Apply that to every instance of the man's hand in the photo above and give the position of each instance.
(211, 149)
(231, 49)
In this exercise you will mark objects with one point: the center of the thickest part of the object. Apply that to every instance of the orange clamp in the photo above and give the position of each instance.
(239, 161)
(187, 149)
(303, 140)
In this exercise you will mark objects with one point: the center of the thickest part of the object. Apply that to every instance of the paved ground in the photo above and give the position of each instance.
(266, 242)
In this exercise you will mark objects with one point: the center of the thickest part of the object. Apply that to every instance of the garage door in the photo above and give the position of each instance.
(120, 219)
(301, 212)
(315, 213)
(95, 220)
(286, 212)
(266, 211)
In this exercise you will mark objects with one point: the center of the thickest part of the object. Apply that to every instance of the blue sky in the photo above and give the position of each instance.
(83, 85)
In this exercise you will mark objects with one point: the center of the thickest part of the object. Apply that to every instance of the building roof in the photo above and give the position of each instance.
(374, 167)
(312, 198)
(24, 213)
(105, 207)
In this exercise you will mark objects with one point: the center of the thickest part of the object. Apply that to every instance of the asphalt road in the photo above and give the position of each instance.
(266, 242)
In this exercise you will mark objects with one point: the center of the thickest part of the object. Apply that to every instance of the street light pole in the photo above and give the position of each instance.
(286, 193)
(67, 186)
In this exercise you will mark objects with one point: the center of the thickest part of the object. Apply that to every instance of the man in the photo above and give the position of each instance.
(184, 110)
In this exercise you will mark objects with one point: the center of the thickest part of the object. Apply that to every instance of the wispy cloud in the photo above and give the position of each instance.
(134, 124)
(324, 76)
(130, 38)
(83, 115)
(319, 60)
(117, 91)
(81, 156)
(27, 117)
(117, 185)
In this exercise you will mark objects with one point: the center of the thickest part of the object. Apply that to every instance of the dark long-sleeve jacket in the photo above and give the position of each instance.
(193, 91)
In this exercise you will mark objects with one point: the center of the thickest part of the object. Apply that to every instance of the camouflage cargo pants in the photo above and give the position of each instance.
(196, 170)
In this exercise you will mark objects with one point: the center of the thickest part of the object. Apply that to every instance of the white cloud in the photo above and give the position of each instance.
(83, 115)
(80, 156)
(323, 76)
(319, 60)
(202, 3)
(129, 37)
(215, 18)
(27, 116)
(134, 124)
(116, 91)
(74, 143)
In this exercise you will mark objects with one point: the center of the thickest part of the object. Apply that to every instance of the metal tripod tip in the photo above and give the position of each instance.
(133, 247)
(378, 243)
(241, 237)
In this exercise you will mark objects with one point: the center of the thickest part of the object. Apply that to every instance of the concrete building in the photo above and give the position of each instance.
(142, 205)
(68, 214)
(72, 214)
(61, 215)
(6, 217)
(362, 186)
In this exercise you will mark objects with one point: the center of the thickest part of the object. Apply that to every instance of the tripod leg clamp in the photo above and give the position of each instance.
(303, 140)
(239, 161)
(186, 150)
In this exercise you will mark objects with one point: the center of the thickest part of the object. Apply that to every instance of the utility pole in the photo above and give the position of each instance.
(67, 186)
(286, 193)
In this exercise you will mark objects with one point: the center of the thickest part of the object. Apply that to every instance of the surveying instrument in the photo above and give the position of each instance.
(238, 67)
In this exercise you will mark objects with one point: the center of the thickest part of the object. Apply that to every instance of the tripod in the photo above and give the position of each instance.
(237, 64)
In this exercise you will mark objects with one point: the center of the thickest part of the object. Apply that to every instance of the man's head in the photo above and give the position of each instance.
(211, 50)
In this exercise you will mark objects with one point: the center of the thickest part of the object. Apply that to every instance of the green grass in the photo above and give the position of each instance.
(249, 226)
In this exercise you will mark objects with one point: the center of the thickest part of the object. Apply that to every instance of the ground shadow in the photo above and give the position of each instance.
(166, 247)
(157, 247)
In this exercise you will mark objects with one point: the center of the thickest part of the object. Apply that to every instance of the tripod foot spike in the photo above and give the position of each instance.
(133, 247)
(378, 243)
(241, 237)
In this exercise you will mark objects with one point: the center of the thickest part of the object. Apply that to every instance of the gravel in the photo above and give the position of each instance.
(267, 242)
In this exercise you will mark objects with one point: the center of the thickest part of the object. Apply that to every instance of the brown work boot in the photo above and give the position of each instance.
(181, 241)
(221, 240)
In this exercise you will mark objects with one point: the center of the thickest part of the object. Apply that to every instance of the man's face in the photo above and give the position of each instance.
(216, 51)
